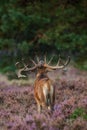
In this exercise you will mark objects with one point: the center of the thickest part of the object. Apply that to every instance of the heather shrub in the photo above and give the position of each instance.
(79, 124)
(18, 110)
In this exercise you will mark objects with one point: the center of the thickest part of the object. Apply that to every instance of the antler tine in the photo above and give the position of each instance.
(58, 61)
(16, 63)
(25, 66)
(37, 59)
(45, 59)
(33, 62)
(50, 59)
(18, 72)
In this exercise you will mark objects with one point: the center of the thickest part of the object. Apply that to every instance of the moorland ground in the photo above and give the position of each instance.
(18, 110)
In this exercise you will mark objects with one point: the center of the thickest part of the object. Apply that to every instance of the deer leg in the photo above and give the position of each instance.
(39, 108)
(51, 99)
(49, 108)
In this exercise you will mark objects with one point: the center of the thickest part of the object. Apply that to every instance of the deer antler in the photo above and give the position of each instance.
(40, 64)
(25, 69)
(18, 72)
(57, 66)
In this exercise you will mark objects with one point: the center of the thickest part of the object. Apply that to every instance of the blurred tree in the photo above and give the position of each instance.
(28, 27)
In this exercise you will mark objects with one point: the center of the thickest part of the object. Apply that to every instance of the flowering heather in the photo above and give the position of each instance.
(18, 110)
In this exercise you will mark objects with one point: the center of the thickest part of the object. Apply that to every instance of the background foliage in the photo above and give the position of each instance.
(35, 27)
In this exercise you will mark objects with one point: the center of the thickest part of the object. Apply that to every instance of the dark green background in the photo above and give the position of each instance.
(30, 27)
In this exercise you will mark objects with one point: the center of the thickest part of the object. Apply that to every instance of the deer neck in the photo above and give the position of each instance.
(41, 76)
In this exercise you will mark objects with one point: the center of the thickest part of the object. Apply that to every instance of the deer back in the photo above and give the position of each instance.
(43, 90)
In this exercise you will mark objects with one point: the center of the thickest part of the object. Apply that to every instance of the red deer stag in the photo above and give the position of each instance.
(44, 91)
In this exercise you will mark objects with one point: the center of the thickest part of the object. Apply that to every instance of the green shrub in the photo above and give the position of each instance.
(79, 112)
